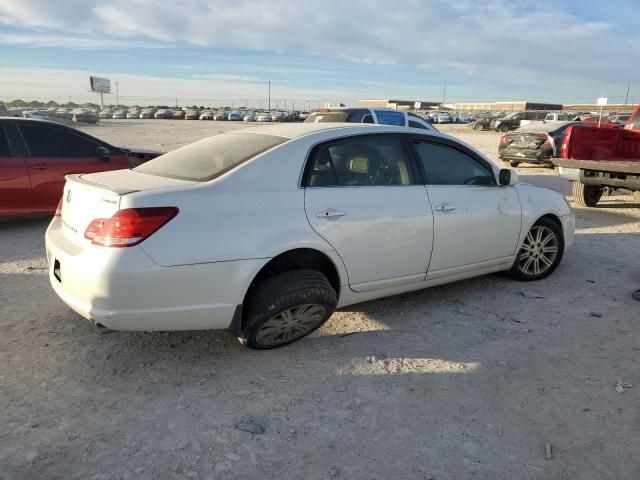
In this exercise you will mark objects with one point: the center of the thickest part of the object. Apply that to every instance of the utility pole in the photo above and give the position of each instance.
(444, 93)
(269, 105)
(176, 102)
(117, 94)
(626, 99)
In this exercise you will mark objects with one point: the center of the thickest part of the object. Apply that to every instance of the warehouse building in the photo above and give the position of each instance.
(512, 106)
(399, 104)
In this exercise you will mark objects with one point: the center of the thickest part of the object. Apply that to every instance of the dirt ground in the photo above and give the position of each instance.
(468, 380)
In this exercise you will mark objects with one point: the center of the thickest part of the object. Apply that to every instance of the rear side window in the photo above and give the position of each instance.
(367, 160)
(44, 141)
(414, 124)
(211, 157)
(444, 165)
(5, 151)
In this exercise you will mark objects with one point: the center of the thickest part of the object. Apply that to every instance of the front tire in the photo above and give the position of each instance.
(514, 164)
(504, 127)
(541, 251)
(586, 195)
(287, 307)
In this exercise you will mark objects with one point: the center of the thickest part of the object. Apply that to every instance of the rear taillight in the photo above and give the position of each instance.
(128, 227)
(503, 140)
(59, 208)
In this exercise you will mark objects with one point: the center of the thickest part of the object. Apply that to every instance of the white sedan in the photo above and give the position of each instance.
(266, 231)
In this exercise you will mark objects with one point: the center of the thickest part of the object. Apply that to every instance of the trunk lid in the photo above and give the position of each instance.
(89, 196)
(525, 141)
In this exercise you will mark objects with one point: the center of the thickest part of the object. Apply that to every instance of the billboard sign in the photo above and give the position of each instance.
(602, 101)
(100, 85)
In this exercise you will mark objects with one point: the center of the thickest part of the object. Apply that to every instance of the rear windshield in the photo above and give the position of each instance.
(211, 157)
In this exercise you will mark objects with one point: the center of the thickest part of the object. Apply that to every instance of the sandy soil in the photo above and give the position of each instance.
(468, 380)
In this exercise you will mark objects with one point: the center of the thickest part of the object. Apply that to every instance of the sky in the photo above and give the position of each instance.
(221, 51)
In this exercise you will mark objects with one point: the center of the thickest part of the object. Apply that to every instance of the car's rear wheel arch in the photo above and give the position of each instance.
(296, 259)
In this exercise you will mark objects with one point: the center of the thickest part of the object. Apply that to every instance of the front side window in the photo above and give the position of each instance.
(445, 165)
(44, 141)
(211, 157)
(368, 160)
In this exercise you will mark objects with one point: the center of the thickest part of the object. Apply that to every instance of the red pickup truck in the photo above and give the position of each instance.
(601, 159)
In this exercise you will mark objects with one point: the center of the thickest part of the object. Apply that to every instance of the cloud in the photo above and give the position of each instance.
(535, 42)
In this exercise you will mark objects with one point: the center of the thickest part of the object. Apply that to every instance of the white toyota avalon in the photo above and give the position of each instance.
(266, 231)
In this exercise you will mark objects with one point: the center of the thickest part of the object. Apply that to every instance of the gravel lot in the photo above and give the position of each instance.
(468, 380)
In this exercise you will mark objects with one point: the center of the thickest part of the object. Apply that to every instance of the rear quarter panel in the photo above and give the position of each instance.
(254, 211)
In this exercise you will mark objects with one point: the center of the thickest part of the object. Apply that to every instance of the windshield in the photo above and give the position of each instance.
(634, 124)
(211, 157)
(335, 116)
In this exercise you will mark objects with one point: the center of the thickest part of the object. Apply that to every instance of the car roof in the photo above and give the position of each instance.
(42, 121)
(296, 130)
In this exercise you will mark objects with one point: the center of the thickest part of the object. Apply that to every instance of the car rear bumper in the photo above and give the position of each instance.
(123, 289)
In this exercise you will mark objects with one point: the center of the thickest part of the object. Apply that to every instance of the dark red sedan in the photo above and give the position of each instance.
(35, 156)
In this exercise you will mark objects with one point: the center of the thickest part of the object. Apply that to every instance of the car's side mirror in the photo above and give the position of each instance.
(103, 153)
(507, 177)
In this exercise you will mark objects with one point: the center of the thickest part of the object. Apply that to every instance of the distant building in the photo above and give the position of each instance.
(399, 104)
(592, 107)
(512, 106)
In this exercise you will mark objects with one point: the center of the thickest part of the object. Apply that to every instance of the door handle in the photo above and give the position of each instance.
(330, 213)
(445, 208)
(39, 166)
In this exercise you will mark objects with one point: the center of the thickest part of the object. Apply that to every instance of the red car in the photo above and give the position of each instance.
(35, 156)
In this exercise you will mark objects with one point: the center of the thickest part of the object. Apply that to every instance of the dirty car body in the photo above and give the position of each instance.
(332, 214)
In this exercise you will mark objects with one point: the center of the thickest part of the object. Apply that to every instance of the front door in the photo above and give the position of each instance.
(475, 220)
(55, 152)
(361, 197)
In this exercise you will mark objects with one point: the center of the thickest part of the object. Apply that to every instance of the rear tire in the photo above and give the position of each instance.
(504, 127)
(586, 195)
(477, 126)
(514, 164)
(541, 251)
(287, 307)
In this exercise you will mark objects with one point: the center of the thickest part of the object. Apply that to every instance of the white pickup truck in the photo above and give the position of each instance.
(549, 117)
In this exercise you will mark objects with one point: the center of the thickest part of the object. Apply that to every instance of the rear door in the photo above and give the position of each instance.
(55, 151)
(362, 197)
(15, 189)
(475, 220)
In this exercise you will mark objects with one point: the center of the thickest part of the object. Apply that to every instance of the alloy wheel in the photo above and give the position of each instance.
(539, 251)
(290, 324)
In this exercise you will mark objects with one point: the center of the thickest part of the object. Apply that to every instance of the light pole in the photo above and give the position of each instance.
(269, 104)
(117, 94)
